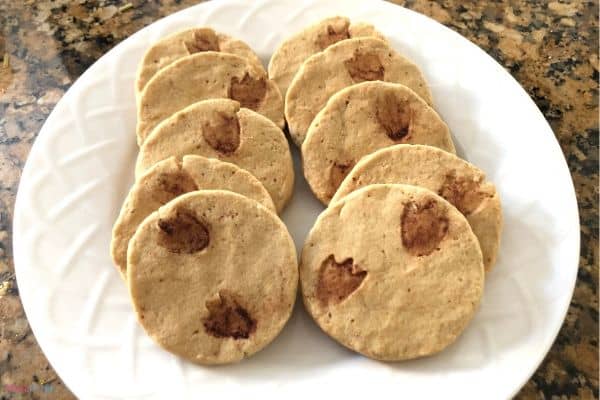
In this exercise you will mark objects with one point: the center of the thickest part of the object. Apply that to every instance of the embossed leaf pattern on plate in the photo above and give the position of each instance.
(81, 166)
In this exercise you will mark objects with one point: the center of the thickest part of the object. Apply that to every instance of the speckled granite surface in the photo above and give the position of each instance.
(550, 47)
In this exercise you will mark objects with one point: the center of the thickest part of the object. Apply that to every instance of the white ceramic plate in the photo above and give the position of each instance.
(81, 166)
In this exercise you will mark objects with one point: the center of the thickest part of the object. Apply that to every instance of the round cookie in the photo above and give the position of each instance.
(343, 64)
(288, 57)
(363, 118)
(393, 272)
(170, 178)
(207, 75)
(212, 276)
(456, 180)
(185, 43)
(219, 128)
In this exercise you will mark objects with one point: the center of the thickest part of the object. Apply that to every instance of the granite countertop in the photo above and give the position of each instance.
(550, 47)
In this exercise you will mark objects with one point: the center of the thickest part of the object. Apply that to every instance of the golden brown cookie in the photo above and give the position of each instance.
(341, 65)
(202, 76)
(294, 50)
(212, 276)
(185, 43)
(461, 183)
(357, 121)
(393, 272)
(219, 128)
(170, 178)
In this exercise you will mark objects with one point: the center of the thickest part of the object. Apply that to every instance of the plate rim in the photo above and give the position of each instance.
(570, 194)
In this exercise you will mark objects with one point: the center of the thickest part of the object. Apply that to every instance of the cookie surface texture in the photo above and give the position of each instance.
(459, 182)
(185, 43)
(361, 119)
(206, 75)
(212, 276)
(295, 49)
(170, 178)
(221, 129)
(393, 272)
(341, 65)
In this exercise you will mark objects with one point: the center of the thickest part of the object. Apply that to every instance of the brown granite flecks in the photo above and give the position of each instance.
(550, 47)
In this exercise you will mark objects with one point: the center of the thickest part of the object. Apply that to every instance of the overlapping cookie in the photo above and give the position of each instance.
(202, 76)
(393, 272)
(171, 178)
(341, 65)
(293, 51)
(393, 269)
(220, 128)
(185, 43)
(363, 118)
(461, 183)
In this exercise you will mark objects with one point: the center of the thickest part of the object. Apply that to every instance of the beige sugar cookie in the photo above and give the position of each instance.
(393, 272)
(359, 120)
(290, 54)
(219, 128)
(170, 178)
(212, 276)
(343, 64)
(206, 75)
(185, 43)
(461, 183)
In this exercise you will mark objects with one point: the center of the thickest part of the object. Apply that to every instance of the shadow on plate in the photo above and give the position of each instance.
(510, 313)
(301, 349)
